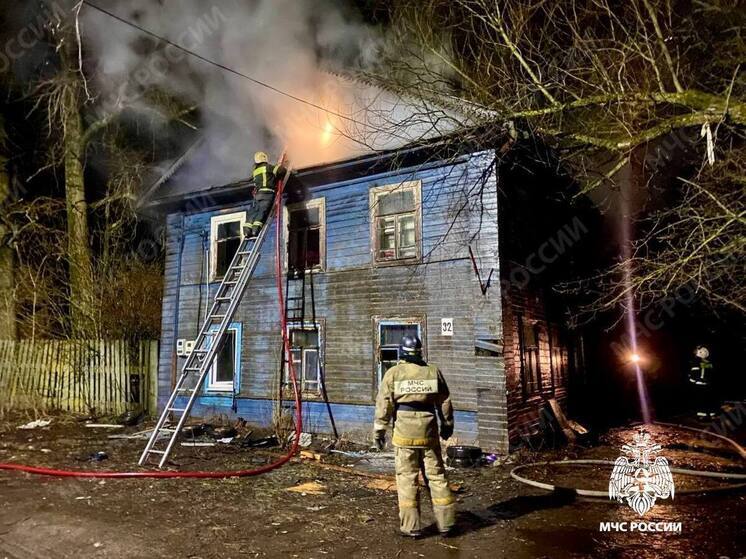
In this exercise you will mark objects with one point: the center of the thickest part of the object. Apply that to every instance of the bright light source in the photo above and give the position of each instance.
(635, 358)
(326, 135)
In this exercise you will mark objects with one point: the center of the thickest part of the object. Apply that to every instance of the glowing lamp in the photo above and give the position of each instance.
(635, 358)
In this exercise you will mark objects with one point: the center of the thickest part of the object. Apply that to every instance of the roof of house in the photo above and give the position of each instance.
(169, 194)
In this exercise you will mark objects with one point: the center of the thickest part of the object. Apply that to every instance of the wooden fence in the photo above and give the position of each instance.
(90, 377)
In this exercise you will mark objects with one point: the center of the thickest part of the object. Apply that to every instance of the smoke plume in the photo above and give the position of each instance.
(294, 45)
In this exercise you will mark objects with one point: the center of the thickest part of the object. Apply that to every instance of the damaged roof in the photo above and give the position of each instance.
(169, 194)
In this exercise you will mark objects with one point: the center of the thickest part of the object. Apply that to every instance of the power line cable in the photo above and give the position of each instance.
(240, 74)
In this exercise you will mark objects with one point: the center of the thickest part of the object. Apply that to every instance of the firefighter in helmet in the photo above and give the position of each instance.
(411, 395)
(701, 382)
(265, 180)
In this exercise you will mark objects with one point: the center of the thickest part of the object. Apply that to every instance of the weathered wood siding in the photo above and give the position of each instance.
(459, 208)
(78, 376)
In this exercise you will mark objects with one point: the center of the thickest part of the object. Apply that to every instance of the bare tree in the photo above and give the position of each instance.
(603, 83)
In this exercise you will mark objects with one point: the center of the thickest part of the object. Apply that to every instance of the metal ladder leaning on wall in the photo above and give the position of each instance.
(297, 282)
(208, 343)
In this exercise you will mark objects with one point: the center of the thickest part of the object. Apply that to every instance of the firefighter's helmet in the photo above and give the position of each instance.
(260, 157)
(702, 352)
(410, 347)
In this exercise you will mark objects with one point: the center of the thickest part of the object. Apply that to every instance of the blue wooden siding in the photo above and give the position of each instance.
(459, 208)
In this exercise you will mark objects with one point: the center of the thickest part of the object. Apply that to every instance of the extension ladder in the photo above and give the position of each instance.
(207, 345)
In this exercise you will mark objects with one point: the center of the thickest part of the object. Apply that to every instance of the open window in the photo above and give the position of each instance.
(224, 375)
(528, 340)
(305, 349)
(389, 334)
(306, 235)
(226, 234)
(396, 222)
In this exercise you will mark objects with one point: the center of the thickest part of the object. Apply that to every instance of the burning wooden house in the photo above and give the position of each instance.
(456, 246)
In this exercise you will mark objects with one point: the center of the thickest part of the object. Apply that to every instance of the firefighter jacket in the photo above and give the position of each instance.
(265, 179)
(411, 395)
(701, 373)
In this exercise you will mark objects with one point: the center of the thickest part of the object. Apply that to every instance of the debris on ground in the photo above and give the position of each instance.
(381, 484)
(308, 488)
(307, 454)
(104, 426)
(305, 439)
(99, 456)
(197, 443)
(131, 418)
(36, 424)
(264, 442)
(464, 456)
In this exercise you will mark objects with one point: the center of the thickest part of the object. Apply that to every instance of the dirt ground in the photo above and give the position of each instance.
(350, 515)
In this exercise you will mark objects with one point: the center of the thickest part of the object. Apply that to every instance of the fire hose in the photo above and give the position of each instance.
(593, 493)
(202, 474)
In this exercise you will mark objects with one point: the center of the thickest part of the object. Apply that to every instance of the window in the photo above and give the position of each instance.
(305, 349)
(224, 374)
(528, 339)
(226, 234)
(395, 221)
(390, 333)
(306, 235)
(558, 358)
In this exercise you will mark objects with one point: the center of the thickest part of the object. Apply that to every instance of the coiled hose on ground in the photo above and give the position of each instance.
(604, 494)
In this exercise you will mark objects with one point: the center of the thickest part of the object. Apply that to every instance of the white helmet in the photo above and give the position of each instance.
(702, 352)
(260, 157)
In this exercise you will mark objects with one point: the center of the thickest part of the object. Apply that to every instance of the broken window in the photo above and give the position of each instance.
(396, 214)
(390, 333)
(306, 232)
(224, 371)
(528, 339)
(226, 236)
(305, 350)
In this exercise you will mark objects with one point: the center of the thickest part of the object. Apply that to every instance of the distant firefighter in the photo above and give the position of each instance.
(701, 382)
(265, 180)
(411, 395)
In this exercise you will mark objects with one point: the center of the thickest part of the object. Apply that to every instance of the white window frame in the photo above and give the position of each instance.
(319, 203)
(377, 192)
(299, 372)
(215, 222)
(224, 386)
(380, 323)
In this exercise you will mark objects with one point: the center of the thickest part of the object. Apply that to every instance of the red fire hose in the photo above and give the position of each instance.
(198, 474)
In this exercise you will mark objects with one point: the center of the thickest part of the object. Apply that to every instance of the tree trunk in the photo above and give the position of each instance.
(79, 248)
(7, 306)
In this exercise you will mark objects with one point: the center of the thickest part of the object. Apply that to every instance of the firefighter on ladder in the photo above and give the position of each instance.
(265, 186)
(412, 393)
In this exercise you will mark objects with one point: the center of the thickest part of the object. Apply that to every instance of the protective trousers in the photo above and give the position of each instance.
(259, 211)
(409, 463)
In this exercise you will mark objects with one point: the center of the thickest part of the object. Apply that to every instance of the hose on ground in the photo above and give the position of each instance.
(604, 494)
(202, 474)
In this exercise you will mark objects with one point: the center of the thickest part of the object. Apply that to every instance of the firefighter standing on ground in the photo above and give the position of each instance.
(265, 186)
(701, 381)
(411, 394)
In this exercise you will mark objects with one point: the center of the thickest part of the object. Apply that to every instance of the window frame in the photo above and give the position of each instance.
(211, 385)
(534, 388)
(378, 322)
(377, 192)
(307, 325)
(215, 223)
(319, 203)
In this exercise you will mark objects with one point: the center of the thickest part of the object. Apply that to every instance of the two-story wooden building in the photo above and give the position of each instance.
(420, 240)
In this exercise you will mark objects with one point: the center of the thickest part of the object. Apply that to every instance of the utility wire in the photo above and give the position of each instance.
(236, 72)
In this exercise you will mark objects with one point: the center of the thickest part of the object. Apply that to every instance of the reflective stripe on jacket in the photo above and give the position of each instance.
(418, 385)
(265, 179)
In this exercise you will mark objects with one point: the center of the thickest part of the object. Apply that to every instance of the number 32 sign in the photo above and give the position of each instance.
(446, 327)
